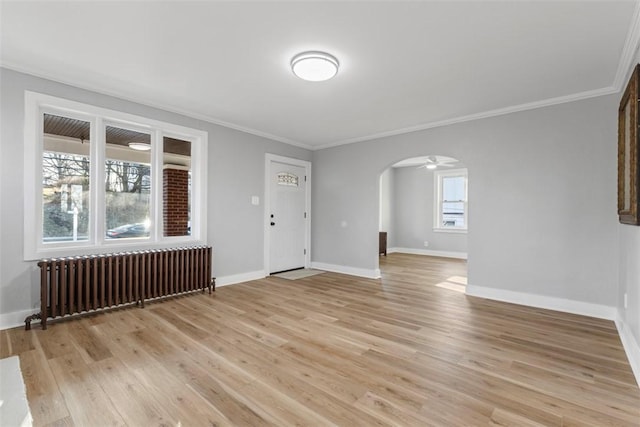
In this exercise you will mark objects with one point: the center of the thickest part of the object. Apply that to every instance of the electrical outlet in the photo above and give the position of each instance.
(426, 244)
(625, 301)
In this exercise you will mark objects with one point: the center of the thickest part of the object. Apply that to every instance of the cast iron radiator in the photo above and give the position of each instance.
(75, 285)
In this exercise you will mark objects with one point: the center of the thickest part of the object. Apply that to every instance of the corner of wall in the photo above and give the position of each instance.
(631, 346)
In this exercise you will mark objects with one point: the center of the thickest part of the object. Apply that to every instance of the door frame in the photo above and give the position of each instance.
(268, 163)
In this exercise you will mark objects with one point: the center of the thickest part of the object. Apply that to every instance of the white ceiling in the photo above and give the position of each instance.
(404, 65)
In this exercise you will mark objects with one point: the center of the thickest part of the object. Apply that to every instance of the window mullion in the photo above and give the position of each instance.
(197, 197)
(98, 154)
(157, 210)
(437, 220)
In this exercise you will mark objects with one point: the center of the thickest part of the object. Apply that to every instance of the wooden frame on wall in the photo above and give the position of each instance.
(629, 153)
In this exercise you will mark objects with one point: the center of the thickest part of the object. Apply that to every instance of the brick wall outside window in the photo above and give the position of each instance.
(176, 202)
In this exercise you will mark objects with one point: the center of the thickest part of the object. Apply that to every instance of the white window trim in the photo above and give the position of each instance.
(35, 105)
(437, 205)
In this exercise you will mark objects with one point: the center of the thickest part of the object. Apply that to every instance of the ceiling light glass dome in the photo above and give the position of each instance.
(314, 66)
(140, 146)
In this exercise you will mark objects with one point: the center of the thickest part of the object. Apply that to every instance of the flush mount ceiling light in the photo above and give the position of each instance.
(314, 66)
(140, 146)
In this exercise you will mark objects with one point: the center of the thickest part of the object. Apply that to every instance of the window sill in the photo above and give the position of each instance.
(450, 230)
(107, 247)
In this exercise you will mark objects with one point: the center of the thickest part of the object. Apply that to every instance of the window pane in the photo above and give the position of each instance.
(127, 183)
(453, 214)
(65, 179)
(453, 188)
(176, 177)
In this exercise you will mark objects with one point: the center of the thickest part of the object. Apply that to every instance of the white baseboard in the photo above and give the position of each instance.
(444, 254)
(16, 318)
(631, 347)
(239, 278)
(546, 302)
(629, 343)
(352, 271)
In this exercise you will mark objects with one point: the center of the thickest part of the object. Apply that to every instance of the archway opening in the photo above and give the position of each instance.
(424, 211)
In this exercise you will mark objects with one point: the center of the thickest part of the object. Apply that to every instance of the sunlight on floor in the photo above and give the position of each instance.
(461, 280)
(454, 283)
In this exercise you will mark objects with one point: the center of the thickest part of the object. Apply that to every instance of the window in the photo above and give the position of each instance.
(65, 179)
(176, 180)
(97, 178)
(288, 179)
(127, 184)
(451, 208)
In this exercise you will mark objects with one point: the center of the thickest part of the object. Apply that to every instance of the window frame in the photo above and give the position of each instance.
(439, 176)
(36, 105)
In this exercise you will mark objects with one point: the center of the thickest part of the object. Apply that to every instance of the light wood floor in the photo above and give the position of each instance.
(410, 349)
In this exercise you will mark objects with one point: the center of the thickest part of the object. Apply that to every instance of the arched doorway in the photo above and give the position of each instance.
(423, 207)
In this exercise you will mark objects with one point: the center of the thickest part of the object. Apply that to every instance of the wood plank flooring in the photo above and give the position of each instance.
(408, 350)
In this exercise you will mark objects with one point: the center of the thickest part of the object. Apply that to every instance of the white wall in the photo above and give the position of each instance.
(542, 184)
(414, 213)
(235, 173)
(387, 204)
(629, 282)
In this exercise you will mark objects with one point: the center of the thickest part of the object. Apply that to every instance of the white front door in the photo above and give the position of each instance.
(287, 217)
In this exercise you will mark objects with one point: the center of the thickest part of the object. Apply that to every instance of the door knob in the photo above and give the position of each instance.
(273, 223)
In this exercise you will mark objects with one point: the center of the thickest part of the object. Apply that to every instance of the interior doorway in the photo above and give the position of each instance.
(424, 207)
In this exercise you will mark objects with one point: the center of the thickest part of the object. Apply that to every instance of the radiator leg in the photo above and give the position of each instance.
(27, 321)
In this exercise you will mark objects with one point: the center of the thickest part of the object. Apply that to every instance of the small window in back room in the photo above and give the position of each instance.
(176, 181)
(451, 200)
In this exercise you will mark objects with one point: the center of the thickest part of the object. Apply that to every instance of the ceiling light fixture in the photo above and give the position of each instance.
(431, 166)
(140, 146)
(314, 66)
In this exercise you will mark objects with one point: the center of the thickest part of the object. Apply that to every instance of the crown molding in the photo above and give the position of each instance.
(631, 46)
(484, 115)
(634, 34)
(160, 106)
